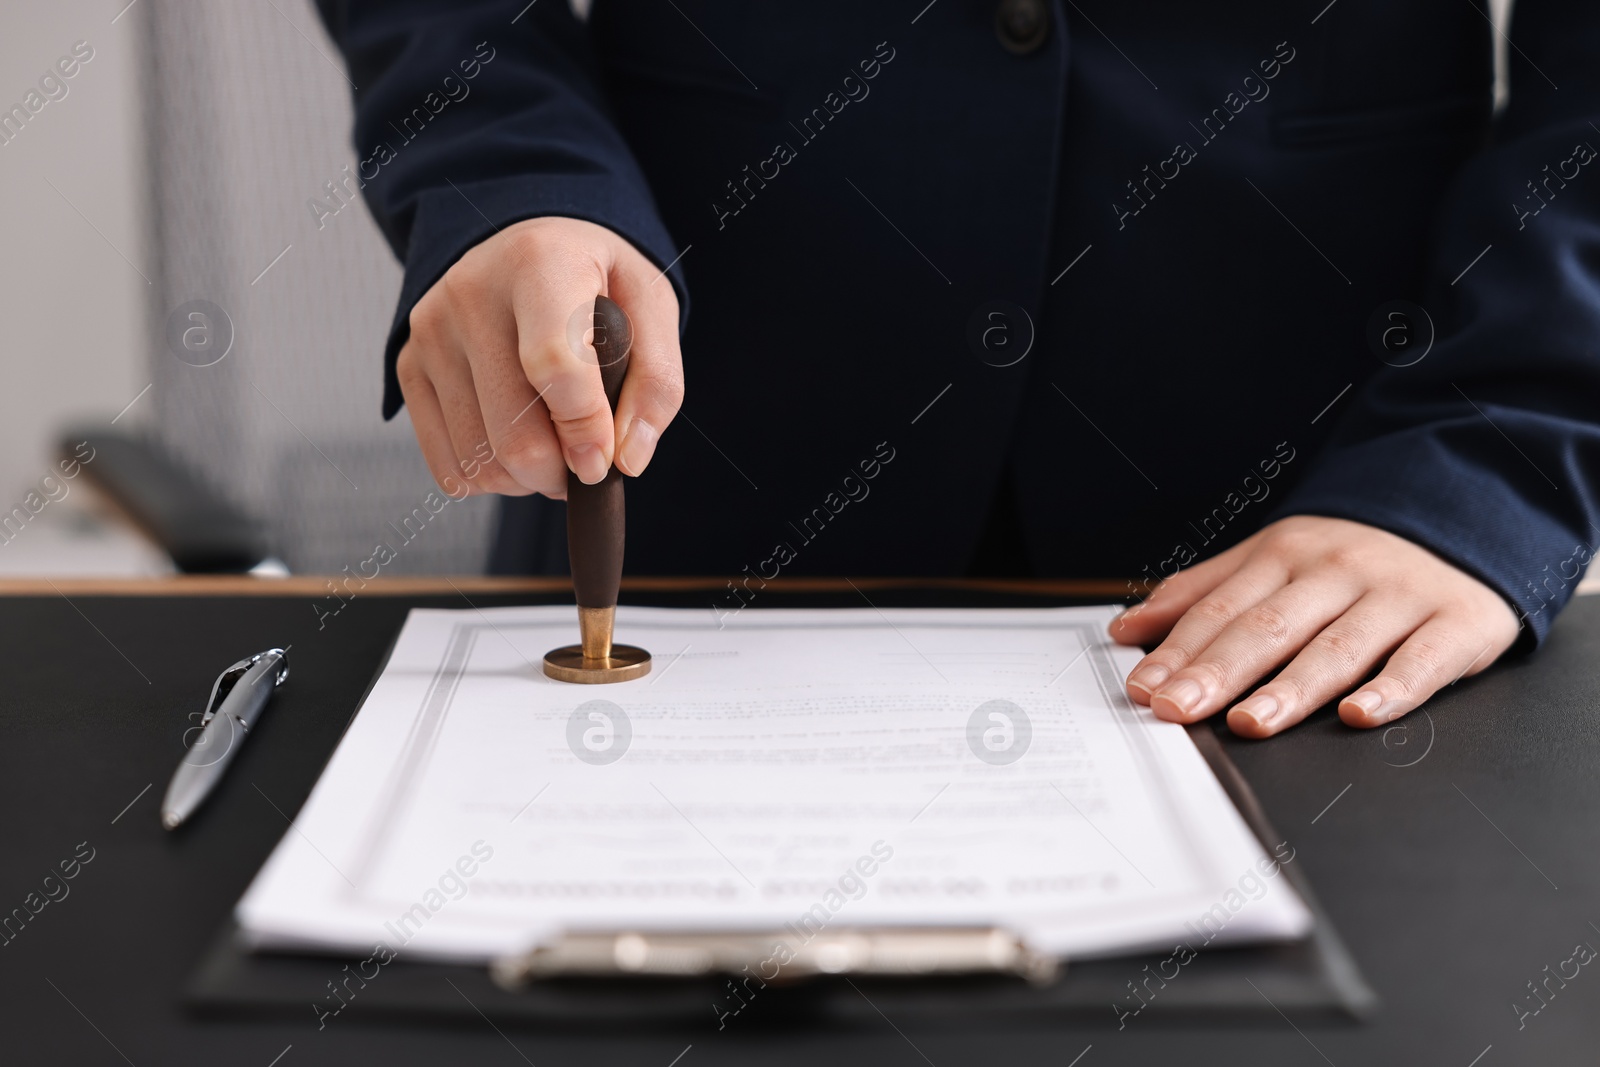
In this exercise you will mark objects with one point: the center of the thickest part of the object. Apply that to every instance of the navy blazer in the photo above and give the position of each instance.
(1154, 276)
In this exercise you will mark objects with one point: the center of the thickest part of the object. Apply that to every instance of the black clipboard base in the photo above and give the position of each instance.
(1313, 976)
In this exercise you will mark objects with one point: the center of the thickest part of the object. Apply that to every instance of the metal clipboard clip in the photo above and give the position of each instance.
(773, 955)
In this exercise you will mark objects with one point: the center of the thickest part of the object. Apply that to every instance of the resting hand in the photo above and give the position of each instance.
(1326, 600)
(500, 373)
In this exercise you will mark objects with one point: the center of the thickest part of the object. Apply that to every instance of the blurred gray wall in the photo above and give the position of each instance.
(73, 255)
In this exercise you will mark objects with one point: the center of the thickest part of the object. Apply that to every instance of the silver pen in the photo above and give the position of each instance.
(237, 700)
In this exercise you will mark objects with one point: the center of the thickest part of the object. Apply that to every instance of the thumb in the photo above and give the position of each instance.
(653, 389)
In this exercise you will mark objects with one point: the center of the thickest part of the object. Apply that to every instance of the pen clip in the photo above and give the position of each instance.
(230, 678)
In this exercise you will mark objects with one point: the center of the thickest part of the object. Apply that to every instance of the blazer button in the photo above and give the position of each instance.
(1022, 25)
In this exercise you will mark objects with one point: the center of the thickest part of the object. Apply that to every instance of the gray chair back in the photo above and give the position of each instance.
(248, 120)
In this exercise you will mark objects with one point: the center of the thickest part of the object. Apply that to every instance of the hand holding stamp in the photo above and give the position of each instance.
(595, 538)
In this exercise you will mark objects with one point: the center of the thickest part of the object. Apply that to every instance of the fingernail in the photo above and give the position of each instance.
(1390, 711)
(587, 462)
(638, 445)
(1185, 694)
(1147, 678)
(1367, 700)
(1261, 709)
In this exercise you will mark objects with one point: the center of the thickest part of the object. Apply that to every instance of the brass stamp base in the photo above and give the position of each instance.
(568, 664)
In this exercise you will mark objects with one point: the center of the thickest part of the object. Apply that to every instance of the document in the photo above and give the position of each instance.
(783, 770)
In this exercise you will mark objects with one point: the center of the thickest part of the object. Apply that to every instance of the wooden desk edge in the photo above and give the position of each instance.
(466, 585)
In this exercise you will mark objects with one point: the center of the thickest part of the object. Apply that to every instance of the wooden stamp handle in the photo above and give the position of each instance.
(595, 513)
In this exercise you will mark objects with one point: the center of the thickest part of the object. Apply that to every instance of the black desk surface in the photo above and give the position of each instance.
(1457, 853)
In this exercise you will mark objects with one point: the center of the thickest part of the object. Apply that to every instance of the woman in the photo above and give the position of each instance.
(1264, 309)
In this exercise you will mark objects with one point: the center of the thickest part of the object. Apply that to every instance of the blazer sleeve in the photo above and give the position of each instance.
(1487, 450)
(470, 117)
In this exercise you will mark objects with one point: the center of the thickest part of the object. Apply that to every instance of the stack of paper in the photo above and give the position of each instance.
(778, 770)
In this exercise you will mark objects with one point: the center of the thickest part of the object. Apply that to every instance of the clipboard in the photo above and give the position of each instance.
(930, 976)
